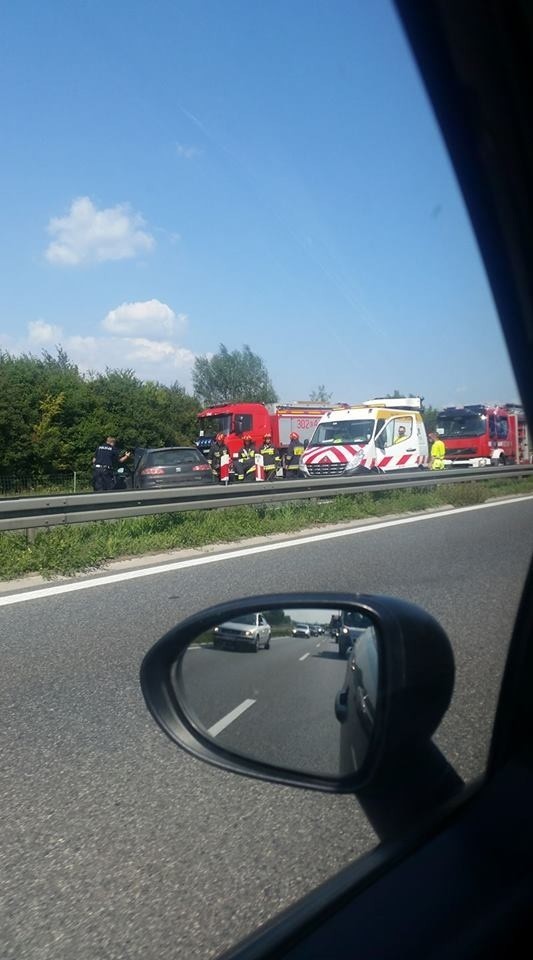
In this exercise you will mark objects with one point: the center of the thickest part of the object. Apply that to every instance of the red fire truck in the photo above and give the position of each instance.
(235, 420)
(479, 435)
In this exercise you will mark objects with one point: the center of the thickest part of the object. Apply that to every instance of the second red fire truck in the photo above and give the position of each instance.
(479, 435)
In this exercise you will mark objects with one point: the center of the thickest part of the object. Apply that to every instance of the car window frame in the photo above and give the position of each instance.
(458, 49)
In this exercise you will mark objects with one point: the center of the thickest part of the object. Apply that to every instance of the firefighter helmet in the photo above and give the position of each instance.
(293, 436)
(219, 438)
(267, 436)
(247, 438)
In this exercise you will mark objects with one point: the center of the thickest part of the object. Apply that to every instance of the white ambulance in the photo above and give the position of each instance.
(378, 435)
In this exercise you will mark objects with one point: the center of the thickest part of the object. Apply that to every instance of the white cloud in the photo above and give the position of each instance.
(143, 316)
(41, 332)
(156, 357)
(187, 152)
(88, 235)
(150, 359)
(158, 351)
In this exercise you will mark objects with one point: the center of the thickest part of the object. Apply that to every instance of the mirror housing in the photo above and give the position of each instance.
(416, 677)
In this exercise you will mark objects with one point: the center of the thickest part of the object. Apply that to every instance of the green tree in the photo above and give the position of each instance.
(52, 417)
(46, 435)
(320, 395)
(430, 419)
(239, 375)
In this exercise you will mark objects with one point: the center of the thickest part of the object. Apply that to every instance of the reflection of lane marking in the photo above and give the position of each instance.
(305, 656)
(229, 718)
(109, 579)
(317, 645)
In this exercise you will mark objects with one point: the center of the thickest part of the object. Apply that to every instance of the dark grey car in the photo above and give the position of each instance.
(171, 467)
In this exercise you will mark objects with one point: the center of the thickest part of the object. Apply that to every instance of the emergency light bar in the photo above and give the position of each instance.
(395, 403)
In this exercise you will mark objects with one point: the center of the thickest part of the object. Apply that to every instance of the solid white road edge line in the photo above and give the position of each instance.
(229, 718)
(246, 552)
(305, 656)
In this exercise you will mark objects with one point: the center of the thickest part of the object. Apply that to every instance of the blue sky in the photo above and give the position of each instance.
(188, 172)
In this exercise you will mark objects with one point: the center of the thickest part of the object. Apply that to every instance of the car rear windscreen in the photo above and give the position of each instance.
(174, 458)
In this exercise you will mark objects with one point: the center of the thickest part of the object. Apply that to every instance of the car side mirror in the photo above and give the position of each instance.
(311, 711)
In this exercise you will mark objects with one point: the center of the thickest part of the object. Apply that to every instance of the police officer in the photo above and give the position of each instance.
(244, 465)
(292, 456)
(271, 457)
(106, 457)
(216, 452)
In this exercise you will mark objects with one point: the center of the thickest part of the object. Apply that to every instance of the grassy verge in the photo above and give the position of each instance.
(69, 550)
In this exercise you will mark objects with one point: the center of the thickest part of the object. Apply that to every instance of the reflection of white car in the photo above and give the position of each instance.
(251, 630)
(301, 630)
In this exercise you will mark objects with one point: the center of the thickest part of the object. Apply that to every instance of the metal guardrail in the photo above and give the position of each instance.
(48, 511)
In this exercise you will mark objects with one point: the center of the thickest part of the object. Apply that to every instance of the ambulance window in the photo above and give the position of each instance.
(379, 436)
(403, 429)
(388, 433)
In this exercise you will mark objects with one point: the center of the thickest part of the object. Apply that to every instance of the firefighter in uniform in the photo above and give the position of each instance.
(105, 460)
(271, 457)
(437, 453)
(215, 454)
(292, 456)
(244, 465)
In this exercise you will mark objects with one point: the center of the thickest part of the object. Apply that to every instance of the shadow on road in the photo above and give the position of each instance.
(327, 655)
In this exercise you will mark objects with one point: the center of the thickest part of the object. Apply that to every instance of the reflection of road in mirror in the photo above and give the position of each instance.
(286, 688)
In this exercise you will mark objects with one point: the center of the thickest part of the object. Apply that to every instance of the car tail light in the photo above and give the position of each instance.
(152, 471)
(202, 466)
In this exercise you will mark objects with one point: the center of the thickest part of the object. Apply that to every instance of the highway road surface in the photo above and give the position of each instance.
(115, 844)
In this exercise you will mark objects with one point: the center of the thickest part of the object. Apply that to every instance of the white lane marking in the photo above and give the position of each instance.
(245, 552)
(305, 656)
(229, 718)
(318, 645)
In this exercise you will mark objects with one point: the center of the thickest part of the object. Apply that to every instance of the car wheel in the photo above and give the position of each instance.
(256, 644)
(267, 644)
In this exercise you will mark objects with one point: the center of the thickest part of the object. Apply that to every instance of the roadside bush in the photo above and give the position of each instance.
(463, 494)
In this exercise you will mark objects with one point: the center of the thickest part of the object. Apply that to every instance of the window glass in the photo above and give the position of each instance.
(402, 429)
(502, 428)
(171, 458)
(243, 423)
(343, 431)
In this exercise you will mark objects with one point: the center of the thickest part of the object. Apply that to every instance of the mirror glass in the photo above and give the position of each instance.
(294, 688)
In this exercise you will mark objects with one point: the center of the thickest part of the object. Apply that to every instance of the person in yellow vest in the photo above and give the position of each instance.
(292, 456)
(271, 457)
(401, 435)
(437, 453)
